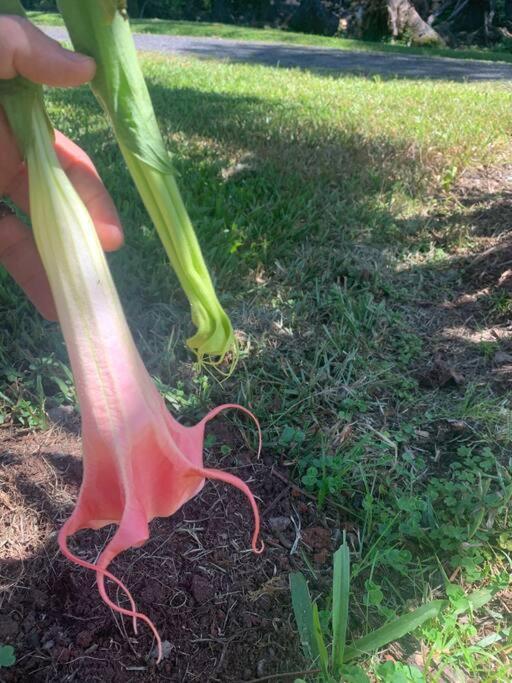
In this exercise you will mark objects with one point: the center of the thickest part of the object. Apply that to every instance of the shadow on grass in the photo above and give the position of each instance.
(305, 204)
(249, 161)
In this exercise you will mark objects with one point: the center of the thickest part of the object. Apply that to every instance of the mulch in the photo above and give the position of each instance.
(223, 613)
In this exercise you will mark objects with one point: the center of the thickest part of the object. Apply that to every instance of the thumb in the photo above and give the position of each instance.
(27, 51)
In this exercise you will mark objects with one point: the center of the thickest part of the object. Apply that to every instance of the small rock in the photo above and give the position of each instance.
(283, 563)
(500, 358)
(39, 597)
(8, 627)
(33, 640)
(61, 414)
(279, 523)
(457, 425)
(283, 540)
(261, 667)
(201, 589)
(29, 622)
(166, 651)
(84, 639)
(439, 374)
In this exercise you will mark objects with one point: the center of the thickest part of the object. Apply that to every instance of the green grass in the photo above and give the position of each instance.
(327, 212)
(269, 35)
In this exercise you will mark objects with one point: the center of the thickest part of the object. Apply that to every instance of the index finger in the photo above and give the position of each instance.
(88, 184)
(27, 51)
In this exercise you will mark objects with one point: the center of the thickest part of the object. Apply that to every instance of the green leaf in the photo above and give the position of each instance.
(479, 598)
(99, 30)
(340, 601)
(352, 673)
(397, 672)
(322, 650)
(12, 7)
(7, 656)
(303, 611)
(395, 630)
(505, 541)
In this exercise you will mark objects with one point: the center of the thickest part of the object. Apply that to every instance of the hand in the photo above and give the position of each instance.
(26, 51)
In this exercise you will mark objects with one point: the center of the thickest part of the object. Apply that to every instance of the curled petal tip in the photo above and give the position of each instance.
(258, 549)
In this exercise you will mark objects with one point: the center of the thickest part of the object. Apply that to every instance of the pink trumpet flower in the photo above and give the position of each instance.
(139, 462)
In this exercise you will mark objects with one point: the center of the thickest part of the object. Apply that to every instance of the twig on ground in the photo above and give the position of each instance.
(276, 500)
(285, 479)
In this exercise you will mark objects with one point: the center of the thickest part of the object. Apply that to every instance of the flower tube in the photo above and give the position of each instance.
(139, 462)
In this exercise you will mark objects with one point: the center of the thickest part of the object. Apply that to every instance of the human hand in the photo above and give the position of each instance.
(28, 52)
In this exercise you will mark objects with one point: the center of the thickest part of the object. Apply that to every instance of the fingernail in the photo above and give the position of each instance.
(78, 57)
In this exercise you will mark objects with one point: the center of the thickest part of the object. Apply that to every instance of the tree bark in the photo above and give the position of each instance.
(467, 21)
(404, 21)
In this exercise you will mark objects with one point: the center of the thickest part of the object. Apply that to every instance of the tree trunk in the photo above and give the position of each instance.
(467, 21)
(220, 11)
(405, 21)
(508, 10)
(312, 17)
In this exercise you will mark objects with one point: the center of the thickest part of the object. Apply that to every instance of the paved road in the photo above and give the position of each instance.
(387, 65)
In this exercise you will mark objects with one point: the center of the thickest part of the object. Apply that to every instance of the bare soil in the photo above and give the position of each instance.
(223, 613)
(465, 317)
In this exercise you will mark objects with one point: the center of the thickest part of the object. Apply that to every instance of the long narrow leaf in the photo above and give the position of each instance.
(303, 611)
(395, 630)
(340, 601)
(479, 598)
(319, 639)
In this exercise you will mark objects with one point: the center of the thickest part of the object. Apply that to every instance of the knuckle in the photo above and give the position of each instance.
(11, 31)
(10, 23)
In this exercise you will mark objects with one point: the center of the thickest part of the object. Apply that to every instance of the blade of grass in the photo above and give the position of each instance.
(340, 600)
(395, 630)
(319, 639)
(303, 611)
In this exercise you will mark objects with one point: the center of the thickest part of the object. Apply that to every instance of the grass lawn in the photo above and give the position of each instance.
(270, 35)
(357, 232)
